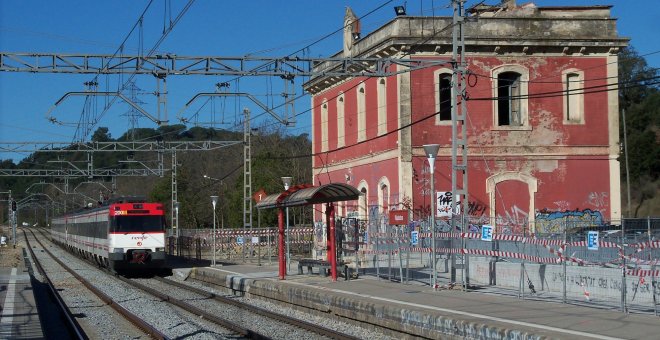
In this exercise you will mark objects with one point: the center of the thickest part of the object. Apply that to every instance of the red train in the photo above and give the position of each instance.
(125, 234)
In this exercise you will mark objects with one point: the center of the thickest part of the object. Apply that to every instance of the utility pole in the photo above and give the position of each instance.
(12, 218)
(175, 195)
(459, 157)
(247, 177)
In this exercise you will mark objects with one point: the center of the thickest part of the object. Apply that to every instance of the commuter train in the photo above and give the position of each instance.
(123, 235)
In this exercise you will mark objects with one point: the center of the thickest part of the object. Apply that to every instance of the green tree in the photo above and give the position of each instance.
(639, 96)
(101, 135)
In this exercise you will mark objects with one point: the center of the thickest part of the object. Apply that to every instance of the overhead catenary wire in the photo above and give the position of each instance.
(303, 49)
(562, 92)
(610, 87)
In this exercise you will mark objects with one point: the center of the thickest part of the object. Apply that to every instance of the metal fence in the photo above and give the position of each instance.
(619, 268)
(253, 246)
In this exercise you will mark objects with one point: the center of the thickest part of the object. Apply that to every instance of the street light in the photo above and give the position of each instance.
(214, 201)
(287, 184)
(431, 151)
(176, 209)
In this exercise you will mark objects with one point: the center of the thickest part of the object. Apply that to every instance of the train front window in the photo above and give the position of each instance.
(137, 223)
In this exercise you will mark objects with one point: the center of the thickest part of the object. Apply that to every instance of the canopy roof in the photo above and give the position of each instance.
(305, 195)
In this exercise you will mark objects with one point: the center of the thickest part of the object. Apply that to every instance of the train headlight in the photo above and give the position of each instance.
(117, 250)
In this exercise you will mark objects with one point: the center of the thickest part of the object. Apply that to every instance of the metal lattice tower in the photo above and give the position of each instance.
(459, 156)
(133, 114)
(175, 194)
(247, 174)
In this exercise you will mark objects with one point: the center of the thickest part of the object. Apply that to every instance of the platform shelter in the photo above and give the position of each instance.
(307, 194)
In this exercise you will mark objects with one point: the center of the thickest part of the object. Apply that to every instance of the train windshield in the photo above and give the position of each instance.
(137, 223)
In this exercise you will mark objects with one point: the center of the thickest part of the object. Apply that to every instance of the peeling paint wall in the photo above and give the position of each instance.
(572, 163)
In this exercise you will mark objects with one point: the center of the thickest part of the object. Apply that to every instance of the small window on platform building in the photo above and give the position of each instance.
(341, 127)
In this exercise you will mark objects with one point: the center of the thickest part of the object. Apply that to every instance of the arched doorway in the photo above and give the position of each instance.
(511, 196)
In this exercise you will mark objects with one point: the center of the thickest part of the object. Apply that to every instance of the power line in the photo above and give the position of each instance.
(550, 95)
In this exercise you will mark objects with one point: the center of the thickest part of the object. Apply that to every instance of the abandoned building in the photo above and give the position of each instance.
(541, 116)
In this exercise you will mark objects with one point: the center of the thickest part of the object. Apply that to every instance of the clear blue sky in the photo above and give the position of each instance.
(217, 28)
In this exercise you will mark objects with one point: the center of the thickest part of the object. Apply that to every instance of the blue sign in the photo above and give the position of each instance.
(487, 233)
(592, 240)
(414, 238)
(239, 240)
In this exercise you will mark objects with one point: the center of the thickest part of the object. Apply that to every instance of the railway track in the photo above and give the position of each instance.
(208, 315)
(285, 326)
(73, 324)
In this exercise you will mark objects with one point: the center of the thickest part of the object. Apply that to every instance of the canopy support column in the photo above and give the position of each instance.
(332, 251)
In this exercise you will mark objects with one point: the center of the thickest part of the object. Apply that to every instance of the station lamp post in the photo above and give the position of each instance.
(431, 151)
(287, 184)
(214, 201)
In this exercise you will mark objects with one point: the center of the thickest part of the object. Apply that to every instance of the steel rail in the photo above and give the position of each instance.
(242, 331)
(132, 318)
(263, 312)
(71, 323)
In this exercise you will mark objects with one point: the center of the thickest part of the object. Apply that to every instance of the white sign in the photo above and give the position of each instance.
(443, 204)
(239, 240)
(255, 239)
(487, 233)
(592, 240)
(414, 238)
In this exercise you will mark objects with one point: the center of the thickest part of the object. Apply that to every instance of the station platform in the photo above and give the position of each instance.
(19, 316)
(419, 310)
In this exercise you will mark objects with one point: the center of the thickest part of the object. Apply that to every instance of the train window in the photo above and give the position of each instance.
(136, 223)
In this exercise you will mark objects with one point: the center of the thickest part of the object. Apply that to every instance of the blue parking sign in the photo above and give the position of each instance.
(592, 240)
(487, 233)
(239, 240)
(414, 237)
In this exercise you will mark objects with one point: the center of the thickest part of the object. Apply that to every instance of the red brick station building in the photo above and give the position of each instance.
(542, 121)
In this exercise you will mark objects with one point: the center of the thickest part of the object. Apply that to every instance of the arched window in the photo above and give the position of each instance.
(511, 107)
(443, 95)
(324, 125)
(341, 127)
(364, 203)
(361, 114)
(384, 197)
(382, 106)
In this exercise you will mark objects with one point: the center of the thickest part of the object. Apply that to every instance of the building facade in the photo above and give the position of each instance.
(542, 118)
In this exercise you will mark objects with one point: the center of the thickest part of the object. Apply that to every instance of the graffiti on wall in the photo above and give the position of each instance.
(599, 200)
(512, 221)
(555, 221)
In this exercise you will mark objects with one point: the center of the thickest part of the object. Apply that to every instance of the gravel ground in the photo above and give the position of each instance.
(98, 320)
(324, 321)
(172, 321)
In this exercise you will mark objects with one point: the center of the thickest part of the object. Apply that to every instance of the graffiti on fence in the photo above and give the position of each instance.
(319, 235)
(556, 221)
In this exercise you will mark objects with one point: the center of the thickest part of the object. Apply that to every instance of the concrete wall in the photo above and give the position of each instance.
(602, 284)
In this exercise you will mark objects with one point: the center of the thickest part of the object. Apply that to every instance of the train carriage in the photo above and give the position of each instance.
(126, 234)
